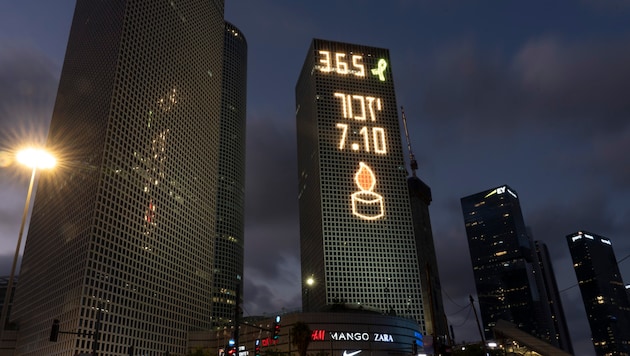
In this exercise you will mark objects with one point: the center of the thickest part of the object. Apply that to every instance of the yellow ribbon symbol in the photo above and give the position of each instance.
(380, 69)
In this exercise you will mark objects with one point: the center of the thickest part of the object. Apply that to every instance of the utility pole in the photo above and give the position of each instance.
(237, 315)
(483, 339)
(97, 329)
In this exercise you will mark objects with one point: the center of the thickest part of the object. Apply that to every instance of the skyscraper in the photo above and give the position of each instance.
(603, 292)
(228, 256)
(121, 243)
(356, 231)
(420, 197)
(505, 267)
(562, 336)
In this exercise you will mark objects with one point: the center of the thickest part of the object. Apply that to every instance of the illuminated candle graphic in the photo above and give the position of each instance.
(365, 203)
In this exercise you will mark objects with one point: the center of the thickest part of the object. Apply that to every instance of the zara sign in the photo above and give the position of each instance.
(320, 335)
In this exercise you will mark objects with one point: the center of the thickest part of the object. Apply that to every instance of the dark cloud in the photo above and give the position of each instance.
(579, 86)
(6, 260)
(272, 268)
(608, 151)
(28, 85)
(271, 171)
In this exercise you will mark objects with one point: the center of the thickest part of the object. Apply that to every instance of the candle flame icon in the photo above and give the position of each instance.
(365, 178)
(365, 203)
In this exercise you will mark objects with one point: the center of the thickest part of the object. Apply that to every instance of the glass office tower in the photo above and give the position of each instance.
(228, 256)
(356, 230)
(603, 292)
(553, 294)
(121, 243)
(505, 267)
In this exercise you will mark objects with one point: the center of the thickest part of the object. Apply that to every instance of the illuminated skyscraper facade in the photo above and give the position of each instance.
(603, 292)
(121, 243)
(356, 231)
(506, 269)
(228, 260)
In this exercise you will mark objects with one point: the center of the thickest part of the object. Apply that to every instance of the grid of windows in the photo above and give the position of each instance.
(506, 269)
(368, 256)
(603, 292)
(228, 261)
(122, 235)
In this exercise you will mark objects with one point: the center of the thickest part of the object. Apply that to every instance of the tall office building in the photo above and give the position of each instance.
(603, 292)
(562, 336)
(356, 229)
(228, 256)
(505, 267)
(435, 318)
(121, 243)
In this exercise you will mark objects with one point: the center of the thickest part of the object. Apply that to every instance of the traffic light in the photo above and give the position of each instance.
(276, 328)
(54, 332)
(257, 347)
(231, 349)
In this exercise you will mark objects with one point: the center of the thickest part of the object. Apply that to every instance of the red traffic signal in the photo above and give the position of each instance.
(257, 347)
(276, 328)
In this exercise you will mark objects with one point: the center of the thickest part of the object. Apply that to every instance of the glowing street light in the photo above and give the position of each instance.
(36, 158)
(310, 282)
(33, 158)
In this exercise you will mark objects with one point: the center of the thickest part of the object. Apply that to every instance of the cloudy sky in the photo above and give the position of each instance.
(531, 94)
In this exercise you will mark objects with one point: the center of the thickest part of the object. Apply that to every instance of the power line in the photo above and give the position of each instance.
(451, 299)
(577, 284)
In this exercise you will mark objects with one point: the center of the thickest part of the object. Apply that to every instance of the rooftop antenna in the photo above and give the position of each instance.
(412, 159)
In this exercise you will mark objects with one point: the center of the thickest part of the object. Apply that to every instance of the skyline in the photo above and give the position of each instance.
(559, 72)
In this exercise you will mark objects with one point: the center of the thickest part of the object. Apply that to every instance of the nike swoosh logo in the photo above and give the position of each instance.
(346, 353)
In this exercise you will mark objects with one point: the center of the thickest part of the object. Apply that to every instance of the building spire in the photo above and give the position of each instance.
(412, 159)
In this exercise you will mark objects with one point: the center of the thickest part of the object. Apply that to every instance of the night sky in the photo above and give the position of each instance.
(531, 94)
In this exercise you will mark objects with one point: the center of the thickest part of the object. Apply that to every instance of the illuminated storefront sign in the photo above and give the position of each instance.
(320, 335)
(268, 342)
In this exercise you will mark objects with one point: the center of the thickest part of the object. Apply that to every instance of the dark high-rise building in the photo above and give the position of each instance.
(357, 236)
(4, 284)
(120, 247)
(228, 256)
(562, 336)
(603, 292)
(505, 267)
(435, 319)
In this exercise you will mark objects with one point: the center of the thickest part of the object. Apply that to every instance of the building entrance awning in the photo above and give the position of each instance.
(507, 330)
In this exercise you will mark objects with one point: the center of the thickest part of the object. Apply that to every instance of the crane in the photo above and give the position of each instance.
(412, 159)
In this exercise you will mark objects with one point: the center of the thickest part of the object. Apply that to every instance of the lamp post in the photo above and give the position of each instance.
(310, 281)
(33, 158)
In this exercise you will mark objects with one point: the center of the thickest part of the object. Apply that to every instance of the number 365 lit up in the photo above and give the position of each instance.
(341, 64)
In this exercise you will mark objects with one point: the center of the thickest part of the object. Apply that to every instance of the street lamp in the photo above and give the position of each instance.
(33, 158)
(310, 281)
